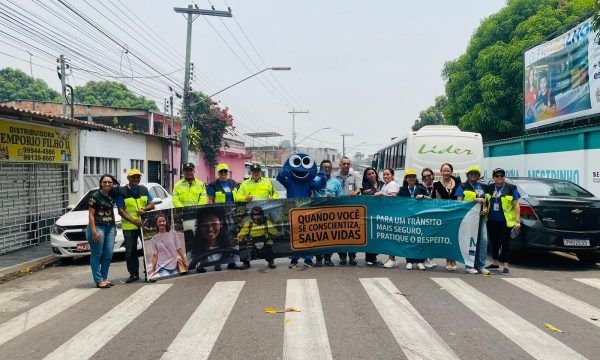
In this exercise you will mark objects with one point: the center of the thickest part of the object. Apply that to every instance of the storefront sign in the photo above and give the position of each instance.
(21, 142)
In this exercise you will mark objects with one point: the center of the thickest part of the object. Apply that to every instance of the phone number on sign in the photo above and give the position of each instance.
(35, 150)
(38, 157)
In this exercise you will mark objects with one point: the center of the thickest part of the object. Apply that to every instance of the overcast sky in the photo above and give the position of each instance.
(366, 68)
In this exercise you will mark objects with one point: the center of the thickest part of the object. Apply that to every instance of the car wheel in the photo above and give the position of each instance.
(588, 258)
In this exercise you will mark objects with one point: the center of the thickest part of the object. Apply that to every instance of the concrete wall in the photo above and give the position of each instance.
(112, 144)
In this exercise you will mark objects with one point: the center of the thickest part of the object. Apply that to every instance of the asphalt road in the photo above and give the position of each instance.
(344, 313)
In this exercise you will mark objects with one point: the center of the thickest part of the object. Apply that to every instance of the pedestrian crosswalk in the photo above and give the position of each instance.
(197, 330)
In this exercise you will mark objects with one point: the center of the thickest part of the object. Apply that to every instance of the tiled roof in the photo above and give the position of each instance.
(51, 118)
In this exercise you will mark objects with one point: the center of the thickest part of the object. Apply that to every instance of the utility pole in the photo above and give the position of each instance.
(294, 112)
(171, 133)
(192, 14)
(344, 142)
(63, 81)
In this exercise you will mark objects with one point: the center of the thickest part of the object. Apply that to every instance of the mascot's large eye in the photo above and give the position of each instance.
(295, 161)
(307, 162)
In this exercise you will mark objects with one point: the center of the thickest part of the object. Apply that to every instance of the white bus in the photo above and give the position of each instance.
(430, 147)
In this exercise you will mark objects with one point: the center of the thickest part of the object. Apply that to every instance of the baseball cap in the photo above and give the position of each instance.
(474, 168)
(222, 167)
(498, 171)
(410, 172)
(134, 172)
(255, 167)
(188, 166)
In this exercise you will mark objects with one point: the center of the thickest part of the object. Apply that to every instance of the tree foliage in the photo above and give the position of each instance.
(485, 85)
(433, 115)
(209, 124)
(15, 84)
(111, 93)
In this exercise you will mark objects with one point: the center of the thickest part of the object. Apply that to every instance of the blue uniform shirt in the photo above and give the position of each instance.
(498, 214)
(333, 187)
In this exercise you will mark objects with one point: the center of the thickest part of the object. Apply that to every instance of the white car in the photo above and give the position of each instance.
(67, 236)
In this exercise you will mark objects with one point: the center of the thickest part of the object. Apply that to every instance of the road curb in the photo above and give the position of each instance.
(28, 267)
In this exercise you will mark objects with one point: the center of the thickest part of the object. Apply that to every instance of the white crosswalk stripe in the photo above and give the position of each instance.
(199, 334)
(41, 313)
(566, 302)
(91, 339)
(417, 339)
(305, 333)
(591, 282)
(533, 340)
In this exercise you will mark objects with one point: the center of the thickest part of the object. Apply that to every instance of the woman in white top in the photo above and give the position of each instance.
(166, 249)
(390, 188)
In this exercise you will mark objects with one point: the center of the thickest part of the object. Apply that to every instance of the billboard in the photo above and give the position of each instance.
(562, 78)
(22, 142)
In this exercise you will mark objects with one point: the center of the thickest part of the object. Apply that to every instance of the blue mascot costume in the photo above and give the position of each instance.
(300, 177)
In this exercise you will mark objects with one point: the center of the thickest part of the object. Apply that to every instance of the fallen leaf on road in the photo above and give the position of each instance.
(553, 328)
(288, 321)
(270, 310)
(487, 275)
(26, 270)
(594, 318)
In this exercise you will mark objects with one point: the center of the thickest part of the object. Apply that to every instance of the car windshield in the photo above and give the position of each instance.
(552, 188)
(82, 205)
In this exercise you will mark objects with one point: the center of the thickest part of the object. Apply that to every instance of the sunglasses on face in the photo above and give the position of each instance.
(499, 175)
(223, 172)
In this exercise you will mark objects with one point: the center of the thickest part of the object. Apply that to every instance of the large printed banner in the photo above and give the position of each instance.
(213, 235)
(32, 143)
(562, 78)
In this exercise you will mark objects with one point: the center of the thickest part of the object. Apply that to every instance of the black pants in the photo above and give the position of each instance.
(371, 257)
(325, 256)
(131, 256)
(344, 255)
(415, 261)
(499, 237)
(266, 253)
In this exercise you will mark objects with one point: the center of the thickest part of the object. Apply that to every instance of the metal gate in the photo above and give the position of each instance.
(32, 197)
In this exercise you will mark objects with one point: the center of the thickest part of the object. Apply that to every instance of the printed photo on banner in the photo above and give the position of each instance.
(164, 245)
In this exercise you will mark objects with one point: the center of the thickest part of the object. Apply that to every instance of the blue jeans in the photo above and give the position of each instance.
(101, 251)
(166, 272)
(481, 246)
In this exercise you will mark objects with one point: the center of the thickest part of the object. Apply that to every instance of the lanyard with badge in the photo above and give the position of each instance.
(413, 191)
(497, 195)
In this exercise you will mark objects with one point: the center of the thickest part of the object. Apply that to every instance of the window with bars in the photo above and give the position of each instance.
(100, 166)
(137, 164)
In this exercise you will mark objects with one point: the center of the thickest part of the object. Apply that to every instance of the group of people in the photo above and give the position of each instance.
(500, 217)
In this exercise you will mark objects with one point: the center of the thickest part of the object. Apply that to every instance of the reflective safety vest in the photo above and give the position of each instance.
(262, 189)
(506, 199)
(220, 196)
(470, 194)
(259, 232)
(133, 204)
(186, 194)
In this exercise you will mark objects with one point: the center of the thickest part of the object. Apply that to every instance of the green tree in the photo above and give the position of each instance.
(111, 93)
(485, 85)
(433, 115)
(208, 126)
(15, 84)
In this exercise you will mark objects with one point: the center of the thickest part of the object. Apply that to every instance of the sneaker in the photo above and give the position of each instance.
(352, 262)
(271, 265)
(370, 263)
(319, 263)
(483, 271)
(429, 264)
(454, 267)
(201, 270)
(245, 266)
(390, 264)
(505, 271)
(492, 267)
(309, 263)
(293, 265)
(421, 266)
(343, 262)
(471, 271)
(328, 262)
(409, 266)
(218, 268)
(132, 278)
(232, 266)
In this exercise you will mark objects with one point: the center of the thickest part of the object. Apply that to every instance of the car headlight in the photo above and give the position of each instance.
(57, 230)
